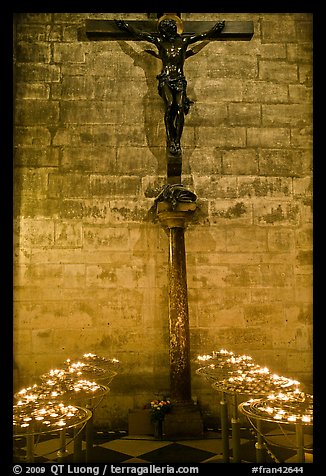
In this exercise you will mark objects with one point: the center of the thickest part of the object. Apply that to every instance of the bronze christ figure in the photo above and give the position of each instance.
(172, 84)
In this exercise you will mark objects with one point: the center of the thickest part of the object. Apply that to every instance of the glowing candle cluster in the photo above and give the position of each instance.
(99, 370)
(77, 370)
(256, 382)
(38, 392)
(44, 407)
(63, 390)
(290, 408)
(223, 363)
(80, 368)
(234, 373)
(37, 417)
(99, 361)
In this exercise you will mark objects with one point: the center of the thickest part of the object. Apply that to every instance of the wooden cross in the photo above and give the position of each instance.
(99, 30)
(107, 29)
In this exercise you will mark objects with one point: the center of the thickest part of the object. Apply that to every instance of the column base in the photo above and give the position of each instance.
(184, 421)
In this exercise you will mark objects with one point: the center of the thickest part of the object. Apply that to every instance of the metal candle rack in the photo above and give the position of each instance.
(39, 418)
(60, 387)
(293, 410)
(238, 375)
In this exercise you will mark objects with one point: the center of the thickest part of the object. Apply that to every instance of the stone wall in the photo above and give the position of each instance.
(90, 258)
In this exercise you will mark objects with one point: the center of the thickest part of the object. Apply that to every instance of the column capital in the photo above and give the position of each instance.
(175, 216)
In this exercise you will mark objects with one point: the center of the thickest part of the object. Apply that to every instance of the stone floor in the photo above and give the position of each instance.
(118, 447)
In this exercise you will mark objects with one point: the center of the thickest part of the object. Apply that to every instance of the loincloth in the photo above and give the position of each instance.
(178, 84)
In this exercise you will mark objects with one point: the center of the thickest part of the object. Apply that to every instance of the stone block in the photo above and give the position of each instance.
(122, 211)
(207, 276)
(282, 212)
(221, 136)
(299, 93)
(183, 421)
(32, 32)
(279, 30)
(265, 92)
(32, 136)
(36, 233)
(71, 185)
(303, 186)
(37, 157)
(42, 18)
(69, 52)
(89, 159)
(235, 211)
(27, 52)
(81, 135)
(264, 186)
(302, 137)
(300, 52)
(277, 275)
(109, 238)
(242, 275)
(285, 162)
(232, 65)
(78, 111)
(215, 186)
(238, 161)
(281, 240)
(305, 75)
(292, 115)
(209, 114)
(31, 182)
(305, 30)
(32, 91)
(304, 237)
(30, 72)
(36, 112)
(139, 422)
(244, 114)
(216, 89)
(105, 185)
(268, 137)
(263, 314)
(37, 208)
(68, 235)
(205, 161)
(246, 239)
(135, 161)
(200, 240)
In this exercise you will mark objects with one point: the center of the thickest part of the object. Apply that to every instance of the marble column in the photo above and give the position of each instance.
(174, 221)
(185, 418)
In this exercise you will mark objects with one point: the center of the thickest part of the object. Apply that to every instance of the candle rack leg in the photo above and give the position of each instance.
(236, 440)
(78, 441)
(62, 452)
(300, 443)
(89, 438)
(225, 429)
(235, 424)
(260, 445)
(30, 448)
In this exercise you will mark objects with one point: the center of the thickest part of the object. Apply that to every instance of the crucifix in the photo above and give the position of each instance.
(175, 204)
(171, 36)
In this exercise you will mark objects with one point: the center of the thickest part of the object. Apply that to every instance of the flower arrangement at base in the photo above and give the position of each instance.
(159, 408)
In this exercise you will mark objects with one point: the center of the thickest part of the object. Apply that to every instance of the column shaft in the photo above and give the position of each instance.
(180, 372)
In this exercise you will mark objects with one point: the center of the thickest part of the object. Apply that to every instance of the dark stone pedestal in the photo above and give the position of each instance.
(184, 421)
